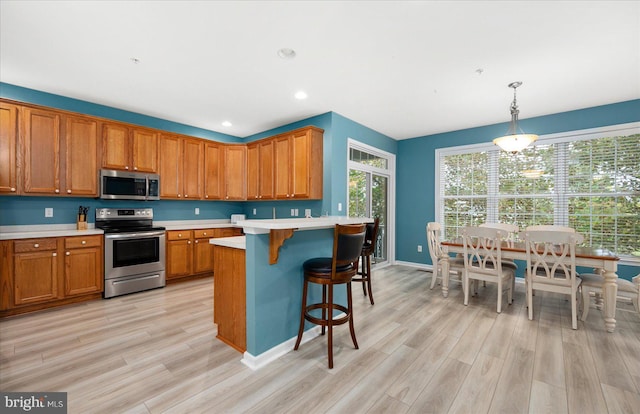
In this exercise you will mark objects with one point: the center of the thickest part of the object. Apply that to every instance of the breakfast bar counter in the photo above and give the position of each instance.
(274, 288)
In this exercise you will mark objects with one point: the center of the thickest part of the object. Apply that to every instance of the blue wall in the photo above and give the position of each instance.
(415, 196)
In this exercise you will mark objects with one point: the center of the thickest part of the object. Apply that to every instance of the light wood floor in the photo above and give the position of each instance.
(156, 352)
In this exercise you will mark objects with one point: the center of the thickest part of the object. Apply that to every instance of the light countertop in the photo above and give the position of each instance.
(313, 223)
(236, 242)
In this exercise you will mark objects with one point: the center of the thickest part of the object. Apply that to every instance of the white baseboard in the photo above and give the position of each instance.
(423, 266)
(259, 361)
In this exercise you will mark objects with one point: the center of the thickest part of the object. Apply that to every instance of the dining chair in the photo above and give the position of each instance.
(329, 272)
(483, 261)
(511, 231)
(456, 264)
(592, 283)
(551, 266)
(550, 227)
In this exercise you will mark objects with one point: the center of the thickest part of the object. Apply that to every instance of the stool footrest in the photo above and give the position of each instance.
(325, 307)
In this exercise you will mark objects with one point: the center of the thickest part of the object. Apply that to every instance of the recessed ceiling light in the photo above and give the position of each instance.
(135, 60)
(301, 95)
(226, 124)
(286, 53)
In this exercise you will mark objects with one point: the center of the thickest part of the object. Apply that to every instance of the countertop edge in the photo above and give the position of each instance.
(235, 242)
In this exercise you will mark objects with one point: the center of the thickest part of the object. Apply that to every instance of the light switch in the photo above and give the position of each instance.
(48, 212)
(339, 206)
(197, 211)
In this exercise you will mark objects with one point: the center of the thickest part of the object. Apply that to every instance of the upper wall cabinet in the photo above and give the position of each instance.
(298, 164)
(8, 141)
(181, 167)
(40, 149)
(235, 167)
(213, 171)
(129, 148)
(80, 159)
(260, 183)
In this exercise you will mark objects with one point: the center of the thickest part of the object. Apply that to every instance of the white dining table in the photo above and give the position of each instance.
(601, 259)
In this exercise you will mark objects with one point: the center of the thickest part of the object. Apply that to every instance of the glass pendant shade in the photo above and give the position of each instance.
(515, 140)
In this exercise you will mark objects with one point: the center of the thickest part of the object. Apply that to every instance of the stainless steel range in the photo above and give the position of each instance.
(134, 250)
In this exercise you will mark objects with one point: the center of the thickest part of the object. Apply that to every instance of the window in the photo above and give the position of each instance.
(588, 180)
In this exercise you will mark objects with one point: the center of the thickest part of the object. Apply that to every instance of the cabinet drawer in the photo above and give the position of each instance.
(228, 232)
(179, 234)
(204, 233)
(81, 241)
(34, 245)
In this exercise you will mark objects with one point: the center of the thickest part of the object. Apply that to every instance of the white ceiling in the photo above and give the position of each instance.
(403, 68)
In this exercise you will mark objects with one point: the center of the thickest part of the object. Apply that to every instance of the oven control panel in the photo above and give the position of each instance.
(124, 213)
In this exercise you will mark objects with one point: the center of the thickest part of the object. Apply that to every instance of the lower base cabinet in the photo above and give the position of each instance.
(189, 252)
(46, 272)
(229, 296)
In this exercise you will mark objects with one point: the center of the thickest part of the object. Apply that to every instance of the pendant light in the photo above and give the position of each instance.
(515, 140)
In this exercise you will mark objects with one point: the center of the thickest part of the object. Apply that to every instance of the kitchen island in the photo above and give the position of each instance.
(274, 289)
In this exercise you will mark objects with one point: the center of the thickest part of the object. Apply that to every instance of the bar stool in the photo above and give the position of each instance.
(328, 272)
(367, 251)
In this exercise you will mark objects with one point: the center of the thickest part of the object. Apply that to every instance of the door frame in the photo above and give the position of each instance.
(390, 172)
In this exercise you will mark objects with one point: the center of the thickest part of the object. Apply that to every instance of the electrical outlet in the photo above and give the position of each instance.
(293, 212)
(339, 206)
(254, 211)
(296, 212)
(197, 211)
(48, 212)
(307, 212)
(419, 248)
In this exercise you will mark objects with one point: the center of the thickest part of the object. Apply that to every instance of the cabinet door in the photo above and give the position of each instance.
(192, 165)
(41, 149)
(253, 171)
(282, 161)
(35, 277)
(300, 164)
(266, 174)
(212, 171)
(81, 154)
(8, 140)
(115, 147)
(235, 159)
(179, 258)
(170, 167)
(202, 256)
(144, 150)
(83, 271)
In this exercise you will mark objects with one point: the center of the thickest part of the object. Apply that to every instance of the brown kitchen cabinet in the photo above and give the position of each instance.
(298, 164)
(260, 169)
(129, 148)
(213, 171)
(59, 154)
(181, 167)
(40, 149)
(8, 143)
(235, 167)
(179, 251)
(83, 265)
(189, 252)
(229, 296)
(40, 273)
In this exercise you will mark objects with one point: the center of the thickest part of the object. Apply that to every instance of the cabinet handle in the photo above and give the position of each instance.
(196, 241)
(179, 195)
(55, 254)
(206, 196)
(36, 245)
(68, 253)
(189, 242)
(84, 242)
(186, 196)
(126, 168)
(68, 191)
(57, 191)
(135, 168)
(179, 234)
(204, 234)
(13, 189)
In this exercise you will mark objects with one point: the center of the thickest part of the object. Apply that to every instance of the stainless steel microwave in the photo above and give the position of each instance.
(125, 185)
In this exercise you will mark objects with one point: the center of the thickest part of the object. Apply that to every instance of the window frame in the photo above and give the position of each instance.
(561, 198)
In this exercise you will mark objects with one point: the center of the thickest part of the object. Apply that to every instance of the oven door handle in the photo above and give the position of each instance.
(134, 235)
(118, 282)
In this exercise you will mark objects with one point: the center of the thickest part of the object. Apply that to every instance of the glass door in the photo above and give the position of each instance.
(369, 195)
